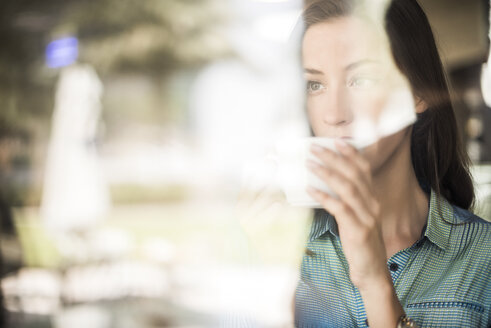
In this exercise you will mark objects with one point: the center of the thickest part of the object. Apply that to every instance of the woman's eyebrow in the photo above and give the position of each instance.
(349, 67)
(312, 71)
(359, 63)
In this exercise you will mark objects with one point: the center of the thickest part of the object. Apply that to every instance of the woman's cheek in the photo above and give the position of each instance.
(315, 113)
(368, 104)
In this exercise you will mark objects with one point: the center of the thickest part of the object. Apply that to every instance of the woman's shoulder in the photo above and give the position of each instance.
(454, 214)
(463, 216)
(458, 229)
(471, 231)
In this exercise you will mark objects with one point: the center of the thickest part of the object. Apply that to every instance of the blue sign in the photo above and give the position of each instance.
(62, 52)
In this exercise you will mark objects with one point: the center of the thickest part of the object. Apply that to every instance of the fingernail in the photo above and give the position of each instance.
(311, 164)
(310, 189)
(316, 148)
(341, 143)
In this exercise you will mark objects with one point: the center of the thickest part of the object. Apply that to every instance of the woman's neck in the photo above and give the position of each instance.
(403, 204)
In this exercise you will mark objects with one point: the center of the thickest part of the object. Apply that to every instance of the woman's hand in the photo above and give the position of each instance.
(356, 211)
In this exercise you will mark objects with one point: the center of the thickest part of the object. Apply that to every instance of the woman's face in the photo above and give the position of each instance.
(349, 75)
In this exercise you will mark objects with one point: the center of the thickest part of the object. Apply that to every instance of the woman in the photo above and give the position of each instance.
(399, 246)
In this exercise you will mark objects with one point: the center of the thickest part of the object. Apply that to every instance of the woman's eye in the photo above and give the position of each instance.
(313, 86)
(362, 82)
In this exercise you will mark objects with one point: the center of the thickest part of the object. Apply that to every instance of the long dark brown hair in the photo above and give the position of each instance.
(438, 156)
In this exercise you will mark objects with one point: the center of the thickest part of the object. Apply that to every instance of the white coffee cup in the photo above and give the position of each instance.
(293, 175)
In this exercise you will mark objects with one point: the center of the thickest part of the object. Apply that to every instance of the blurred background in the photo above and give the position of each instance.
(129, 130)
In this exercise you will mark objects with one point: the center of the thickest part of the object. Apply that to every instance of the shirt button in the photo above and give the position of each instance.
(393, 267)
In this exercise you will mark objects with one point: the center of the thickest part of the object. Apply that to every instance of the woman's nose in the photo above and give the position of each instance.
(336, 111)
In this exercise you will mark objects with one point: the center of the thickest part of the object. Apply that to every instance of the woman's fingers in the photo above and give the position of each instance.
(348, 174)
(336, 207)
(355, 157)
(347, 191)
(348, 166)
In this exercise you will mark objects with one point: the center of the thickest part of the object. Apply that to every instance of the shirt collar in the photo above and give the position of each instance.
(438, 226)
(323, 222)
(440, 220)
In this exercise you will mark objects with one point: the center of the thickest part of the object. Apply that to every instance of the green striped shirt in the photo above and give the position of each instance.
(443, 280)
